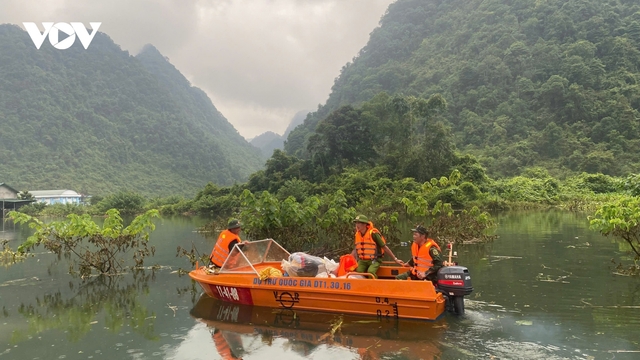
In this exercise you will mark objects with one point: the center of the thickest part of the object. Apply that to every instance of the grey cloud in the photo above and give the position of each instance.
(260, 61)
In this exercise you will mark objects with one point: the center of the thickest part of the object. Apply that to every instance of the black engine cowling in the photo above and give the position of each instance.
(455, 283)
(454, 280)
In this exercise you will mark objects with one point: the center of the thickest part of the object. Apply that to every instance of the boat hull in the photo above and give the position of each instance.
(383, 298)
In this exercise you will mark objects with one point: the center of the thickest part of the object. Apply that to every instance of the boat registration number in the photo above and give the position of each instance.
(304, 283)
(228, 293)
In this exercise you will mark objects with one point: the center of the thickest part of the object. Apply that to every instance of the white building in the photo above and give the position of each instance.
(56, 196)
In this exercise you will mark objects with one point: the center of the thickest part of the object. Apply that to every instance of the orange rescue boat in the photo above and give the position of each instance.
(238, 281)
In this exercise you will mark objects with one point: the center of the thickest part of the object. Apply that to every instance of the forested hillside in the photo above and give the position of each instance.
(100, 120)
(550, 83)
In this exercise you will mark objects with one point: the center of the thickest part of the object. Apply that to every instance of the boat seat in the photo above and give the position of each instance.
(388, 271)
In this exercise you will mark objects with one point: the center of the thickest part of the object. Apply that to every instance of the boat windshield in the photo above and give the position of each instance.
(244, 257)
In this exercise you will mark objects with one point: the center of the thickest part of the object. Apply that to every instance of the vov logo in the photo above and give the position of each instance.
(53, 31)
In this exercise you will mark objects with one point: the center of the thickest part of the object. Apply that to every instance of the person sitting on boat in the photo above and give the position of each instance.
(226, 241)
(370, 247)
(426, 257)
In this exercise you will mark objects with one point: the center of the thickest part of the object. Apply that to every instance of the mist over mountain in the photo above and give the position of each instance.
(297, 119)
(269, 141)
(100, 120)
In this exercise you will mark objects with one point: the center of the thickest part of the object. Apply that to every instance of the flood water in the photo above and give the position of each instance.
(545, 289)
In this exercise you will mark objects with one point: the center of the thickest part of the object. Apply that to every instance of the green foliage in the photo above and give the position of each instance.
(631, 184)
(170, 205)
(343, 138)
(33, 208)
(447, 224)
(9, 257)
(61, 210)
(537, 187)
(25, 195)
(400, 132)
(598, 183)
(298, 189)
(552, 84)
(314, 223)
(126, 202)
(214, 201)
(278, 169)
(467, 227)
(94, 247)
(621, 219)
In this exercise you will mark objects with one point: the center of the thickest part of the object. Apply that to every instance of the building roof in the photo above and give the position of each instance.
(5, 202)
(9, 187)
(50, 193)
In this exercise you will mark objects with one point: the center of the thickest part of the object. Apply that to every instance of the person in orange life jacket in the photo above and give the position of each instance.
(426, 257)
(370, 246)
(226, 241)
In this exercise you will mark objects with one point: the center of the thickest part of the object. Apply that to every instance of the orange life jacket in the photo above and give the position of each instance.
(221, 249)
(347, 264)
(366, 247)
(422, 260)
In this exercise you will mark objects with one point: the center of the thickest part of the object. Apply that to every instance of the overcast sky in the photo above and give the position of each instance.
(260, 61)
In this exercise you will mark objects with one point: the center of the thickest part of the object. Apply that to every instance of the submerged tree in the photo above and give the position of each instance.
(621, 219)
(94, 248)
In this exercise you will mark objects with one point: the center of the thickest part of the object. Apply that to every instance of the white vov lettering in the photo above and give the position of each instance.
(70, 29)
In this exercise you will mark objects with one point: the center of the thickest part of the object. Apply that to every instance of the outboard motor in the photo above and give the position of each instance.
(455, 283)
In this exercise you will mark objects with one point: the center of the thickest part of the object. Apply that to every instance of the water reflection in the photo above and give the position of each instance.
(305, 332)
(111, 301)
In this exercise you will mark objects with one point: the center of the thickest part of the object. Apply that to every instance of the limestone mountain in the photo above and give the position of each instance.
(269, 141)
(100, 120)
(297, 119)
(552, 83)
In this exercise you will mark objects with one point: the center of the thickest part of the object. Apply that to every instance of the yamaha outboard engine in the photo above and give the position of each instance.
(455, 283)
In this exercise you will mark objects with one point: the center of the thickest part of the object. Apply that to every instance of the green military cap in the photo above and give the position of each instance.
(421, 230)
(361, 219)
(234, 223)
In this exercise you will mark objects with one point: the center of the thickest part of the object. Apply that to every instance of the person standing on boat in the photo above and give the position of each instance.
(226, 241)
(426, 257)
(370, 246)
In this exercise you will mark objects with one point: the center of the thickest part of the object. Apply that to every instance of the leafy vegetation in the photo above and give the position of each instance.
(317, 222)
(99, 121)
(92, 247)
(621, 219)
(126, 202)
(9, 257)
(529, 83)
